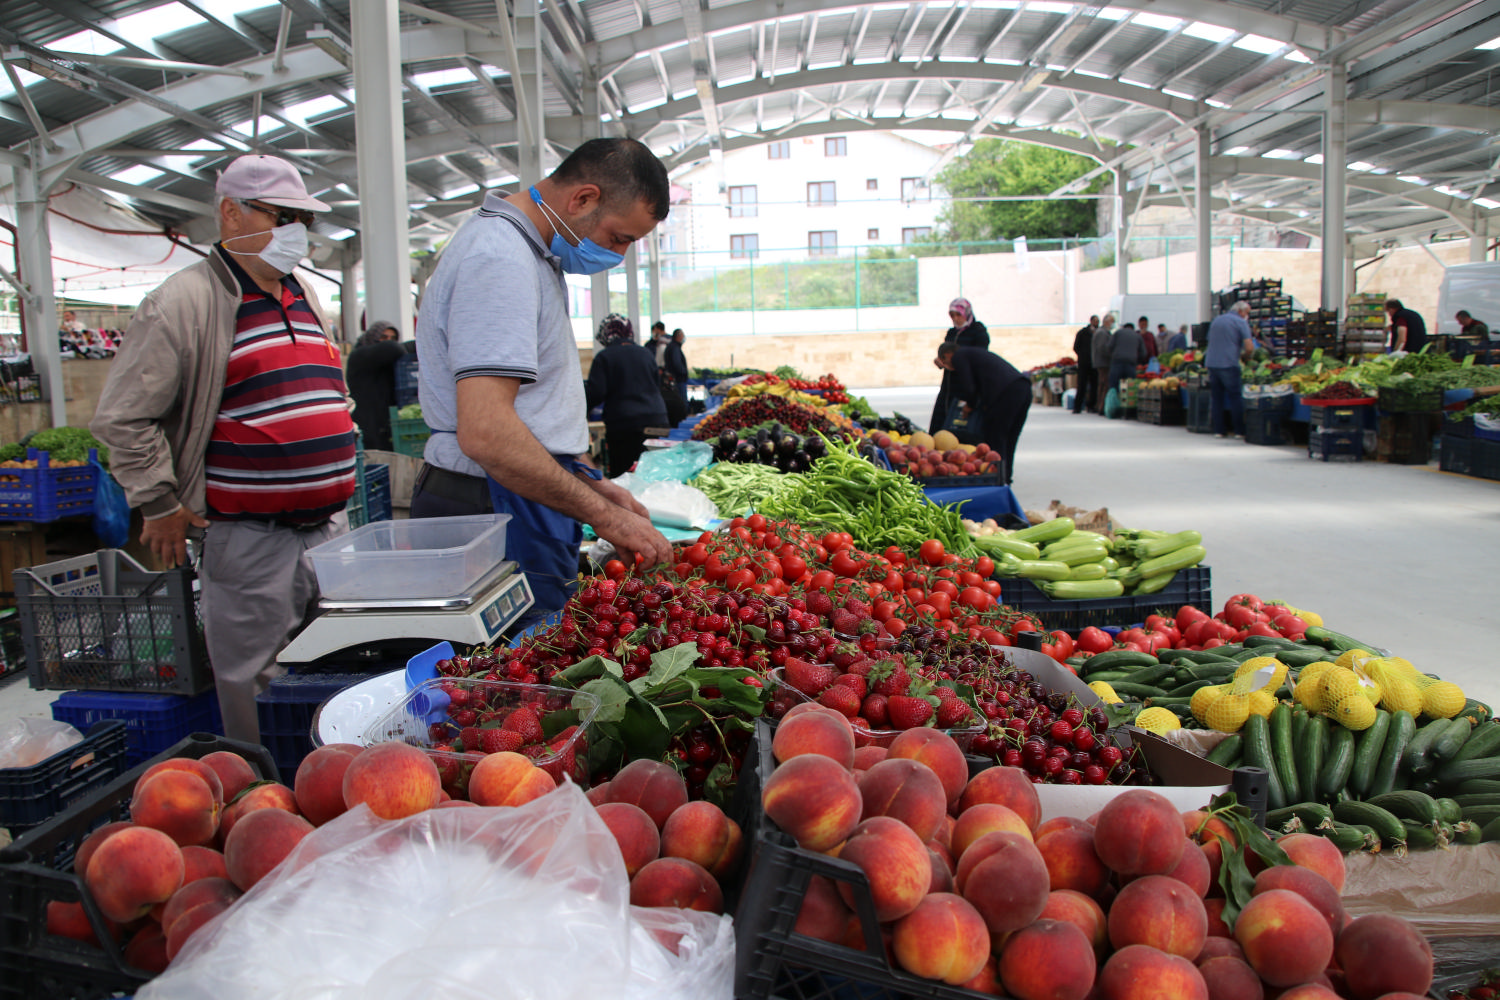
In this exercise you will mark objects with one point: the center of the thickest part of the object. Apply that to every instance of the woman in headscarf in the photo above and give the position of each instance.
(370, 372)
(966, 331)
(623, 377)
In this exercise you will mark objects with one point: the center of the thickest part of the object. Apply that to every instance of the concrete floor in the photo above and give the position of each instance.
(1402, 556)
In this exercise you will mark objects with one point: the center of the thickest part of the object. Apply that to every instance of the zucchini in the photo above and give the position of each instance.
(1120, 659)
(1371, 741)
(1455, 772)
(1451, 811)
(1484, 741)
(1390, 829)
(1082, 590)
(1314, 816)
(1479, 786)
(1151, 548)
(1351, 838)
(1154, 584)
(1007, 545)
(1046, 531)
(1281, 753)
(1227, 753)
(1465, 832)
(1042, 570)
(1183, 558)
(1338, 762)
(1419, 837)
(1311, 748)
(1452, 739)
(1412, 805)
(1482, 814)
(1418, 760)
(1258, 753)
(1075, 554)
(1088, 571)
(1403, 727)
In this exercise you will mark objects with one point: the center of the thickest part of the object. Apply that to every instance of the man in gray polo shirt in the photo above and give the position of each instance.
(500, 384)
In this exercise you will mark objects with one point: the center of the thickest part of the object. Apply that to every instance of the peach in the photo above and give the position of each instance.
(1382, 954)
(1008, 882)
(803, 707)
(1193, 870)
(235, 773)
(260, 842)
(1202, 827)
(814, 799)
(904, 789)
(1285, 939)
(188, 924)
(394, 779)
(897, 864)
(1213, 852)
(944, 938)
(1048, 960)
(652, 785)
(132, 871)
(189, 765)
(1082, 912)
(1139, 833)
(92, 841)
(1308, 991)
(147, 949)
(1161, 912)
(676, 882)
(319, 783)
(938, 751)
(598, 794)
(824, 733)
(1138, 972)
(1063, 823)
(70, 920)
(634, 831)
(944, 834)
(985, 817)
(1308, 850)
(269, 795)
(1217, 947)
(202, 862)
(699, 831)
(1310, 886)
(1005, 786)
(178, 803)
(196, 894)
(1216, 925)
(456, 804)
(867, 757)
(823, 914)
(1071, 860)
(988, 979)
(942, 872)
(1230, 978)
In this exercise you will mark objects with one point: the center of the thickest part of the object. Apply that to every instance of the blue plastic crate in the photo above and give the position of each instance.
(406, 380)
(154, 722)
(32, 795)
(377, 493)
(45, 493)
(285, 711)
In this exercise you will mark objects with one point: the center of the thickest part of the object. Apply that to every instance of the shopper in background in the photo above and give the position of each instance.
(1229, 343)
(623, 378)
(1103, 350)
(675, 363)
(1179, 340)
(966, 331)
(1408, 331)
(370, 371)
(1143, 328)
(658, 344)
(227, 418)
(499, 375)
(1470, 327)
(986, 382)
(1083, 350)
(1129, 352)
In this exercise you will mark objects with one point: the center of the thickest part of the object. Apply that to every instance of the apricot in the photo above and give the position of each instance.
(895, 861)
(634, 831)
(655, 787)
(1308, 850)
(1048, 960)
(1383, 954)
(1139, 972)
(1072, 862)
(235, 773)
(938, 751)
(814, 799)
(1310, 886)
(319, 782)
(907, 790)
(1005, 786)
(676, 882)
(179, 803)
(1161, 912)
(1008, 883)
(1230, 978)
(394, 779)
(1139, 833)
(1285, 939)
(132, 871)
(260, 842)
(943, 938)
(504, 779)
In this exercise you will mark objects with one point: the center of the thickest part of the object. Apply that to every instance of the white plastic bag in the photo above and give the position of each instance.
(27, 740)
(527, 903)
(676, 505)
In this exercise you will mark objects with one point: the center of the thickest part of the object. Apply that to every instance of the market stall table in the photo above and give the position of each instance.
(979, 502)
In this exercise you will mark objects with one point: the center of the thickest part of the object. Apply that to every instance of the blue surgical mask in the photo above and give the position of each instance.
(587, 257)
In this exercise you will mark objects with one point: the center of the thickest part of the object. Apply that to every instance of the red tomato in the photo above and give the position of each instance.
(1186, 615)
(1162, 623)
(1025, 623)
(984, 566)
(912, 578)
(916, 595)
(683, 569)
(894, 582)
(738, 522)
(1157, 640)
(770, 569)
(1214, 643)
(895, 554)
(895, 626)
(821, 580)
(942, 602)
(1261, 628)
(992, 587)
(740, 579)
(1094, 640)
(844, 564)
(946, 573)
(945, 587)
(1137, 646)
(1062, 645)
(756, 522)
(883, 611)
(1288, 623)
(716, 569)
(993, 637)
(697, 554)
(968, 578)
(975, 599)
(1242, 615)
(1201, 631)
(1247, 600)
(932, 552)
(819, 554)
(793, 566)
(925, 609)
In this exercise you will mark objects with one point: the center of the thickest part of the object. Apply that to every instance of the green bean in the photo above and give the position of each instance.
(737, 487)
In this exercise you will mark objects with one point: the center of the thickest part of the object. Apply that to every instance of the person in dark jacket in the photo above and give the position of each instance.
(675, 363)
(623, 377)
(370, 372)
(988, 383)
(1408, 329)
(966, 331)
(1088, 375)
(1130, 351)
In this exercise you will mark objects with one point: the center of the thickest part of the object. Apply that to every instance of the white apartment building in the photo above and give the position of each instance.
(802, 198)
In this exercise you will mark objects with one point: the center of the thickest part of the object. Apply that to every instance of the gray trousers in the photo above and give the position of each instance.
(257, 589)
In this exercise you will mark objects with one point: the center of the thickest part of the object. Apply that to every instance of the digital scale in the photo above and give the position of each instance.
(375, 630)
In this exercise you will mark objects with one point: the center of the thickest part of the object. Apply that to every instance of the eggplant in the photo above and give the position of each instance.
(795, 464)
(767, 452)
(788, 444)
(762, 436)
(802, 458)
(815, 447)
(728, 439)
(744, 452)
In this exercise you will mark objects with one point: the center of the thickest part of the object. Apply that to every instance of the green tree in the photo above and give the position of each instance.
(1004, 167)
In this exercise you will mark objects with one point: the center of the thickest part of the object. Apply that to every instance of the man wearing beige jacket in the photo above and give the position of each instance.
(227, 420)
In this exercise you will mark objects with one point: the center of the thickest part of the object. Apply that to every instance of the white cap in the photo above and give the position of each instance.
(268, 179)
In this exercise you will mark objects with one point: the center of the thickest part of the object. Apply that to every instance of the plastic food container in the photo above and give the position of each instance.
(421, 558)
(863, 736)
(424, 718)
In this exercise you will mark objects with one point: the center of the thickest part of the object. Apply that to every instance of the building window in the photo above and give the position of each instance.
(913, 189)
(872, 234)
(872, 185)
(820, 193)
(779, 150)
(744, 247)
(915, 233)
(836, 146)
(742, 202)
(824, 243)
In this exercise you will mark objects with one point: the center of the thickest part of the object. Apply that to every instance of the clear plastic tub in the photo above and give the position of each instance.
(786, 697)
(420, 558)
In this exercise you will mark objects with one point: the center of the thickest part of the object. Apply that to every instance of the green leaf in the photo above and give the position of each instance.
(644, 731)
(755, 632)
(718, 787)
(666, 665)
(589, 668)
(734, 693)
(614, 697)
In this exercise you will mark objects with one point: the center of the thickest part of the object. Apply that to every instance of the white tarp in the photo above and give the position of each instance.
(1473, 287)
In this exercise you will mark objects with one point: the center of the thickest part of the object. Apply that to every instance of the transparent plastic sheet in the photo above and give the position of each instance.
(676, 505)
(676, 464)
(527, 903)
(26, 741)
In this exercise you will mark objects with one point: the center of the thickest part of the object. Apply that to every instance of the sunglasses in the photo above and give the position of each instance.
(283, 216)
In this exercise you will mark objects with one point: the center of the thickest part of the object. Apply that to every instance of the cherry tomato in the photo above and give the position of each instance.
(992, 587)
(984, 566)
(832, 542)
(844, 564)
(932, 552)
(942, 602)
(893, 581)
(916, 595)
(1025, 623)
(895, 627)
(822, 580)
(895, 554)
(968, 578)
(883, 611)
(793, 566)
(715, 569)
(756, 522)
(697, 554)
(945, 587)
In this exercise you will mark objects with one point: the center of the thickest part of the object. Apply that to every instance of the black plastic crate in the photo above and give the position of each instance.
(1166, 411)
(1486, 459)
(153, 722)
(32, 795)
(1401, 399)
(377, 492)
(1405, 438)
(1460, 428)
(103, 622)
(1456, 454)
(37, 869)
(1338, 418)
(12, 648)
(1260, 402)
(1191, 586)
(1336, 446)
(1265, 427)
(286, 708)
(406, 380)
(1198, 413)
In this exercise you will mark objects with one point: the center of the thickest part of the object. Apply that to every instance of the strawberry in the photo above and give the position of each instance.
(844, 654)
(874, 709)
(841, 699)
(470, 737)
(501, 740)
(845, 622)
(809, 678)
(465, 717)
(951, 712)
(857, 606)
(907, 712)
(860, 668)
(525, 722)
(890, 678)
(854, 682)
(819, 603)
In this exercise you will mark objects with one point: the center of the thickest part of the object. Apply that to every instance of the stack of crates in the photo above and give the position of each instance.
(1314, 331)
(408, 434)
(1364, 325)
(377, 491)
(1266, 416)
(153, 722)
(357, 508)
(286, 709)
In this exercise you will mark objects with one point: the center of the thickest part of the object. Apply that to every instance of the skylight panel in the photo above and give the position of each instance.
(1157, 21)
(89, 41)
(1208, 32)
(443, 78)
(148, 25)
(1259, 43)
(138, 174)
(304, 110)
(1283, 154)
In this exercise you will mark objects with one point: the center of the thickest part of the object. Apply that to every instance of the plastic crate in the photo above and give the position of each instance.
(1486, 459)
(12, 649)
(1336, 446)
(1198, 413)
(45, 493)
(1460, 428)
(285, 711)
(32, 795)
(1265, 427)
(408, 434)
(1339, 418)
(153, 722)
(102, 622)
(406, 380)
(1456, 454)
(37, 869)
(1191, 586)
(1260, 402)
(1405, 438)
(377, 493)
(1400, 399)
(358, 506)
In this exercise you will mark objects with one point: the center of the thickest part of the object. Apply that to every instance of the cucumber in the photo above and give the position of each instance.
(1258, 753)
(1335, 640)
(1278, 641)
(1338, 762)
(1227, 753)
(1351, 838)
(1479, 786)
(1465, 832)
(1186, 655)
(1456, 772)
(1302, 656)
(1310, 752)
(1390, 829)
(1371, 741)
(1281, 758)
(1451, 740)
(1151, 675)
(1464, 799)
(1216, 672)
(1250, 654)
(1419, 836)
(1314, 816)
(1490, 831)
(1403, 727)
(1478, 711)
(1418, 760)
(1484, 741)
(1119, 659)
(1412, 805)
(1135, 690)
(1451, 811)
(1482, 814)
(1111, 675)
(1189, 687)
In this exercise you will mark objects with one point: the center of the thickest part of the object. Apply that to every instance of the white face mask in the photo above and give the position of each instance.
(287, 247)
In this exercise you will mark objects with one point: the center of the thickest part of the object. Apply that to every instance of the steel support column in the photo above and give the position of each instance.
(349, 298)
(1335, 154)
(1204, 257)
(381, 149)
(528, 73)
(1122, 258)
(633, 289)
(653, 271)
(1479, 241)
(593, 128)
(38, 306)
